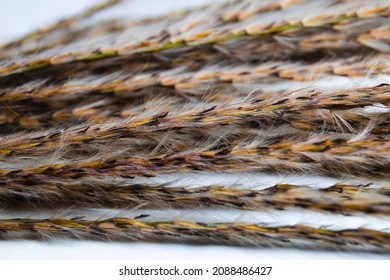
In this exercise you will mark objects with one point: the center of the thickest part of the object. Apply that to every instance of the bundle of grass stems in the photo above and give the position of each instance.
(243, 123)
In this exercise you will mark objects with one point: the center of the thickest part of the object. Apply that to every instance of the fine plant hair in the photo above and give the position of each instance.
(329, 154)
(95, 108)
(208, 32)
(122, 229)
(339, 198)
(263, 109)
(184, 75)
